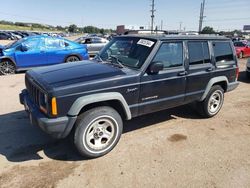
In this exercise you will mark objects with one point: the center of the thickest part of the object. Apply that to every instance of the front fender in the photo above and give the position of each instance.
(100, 97)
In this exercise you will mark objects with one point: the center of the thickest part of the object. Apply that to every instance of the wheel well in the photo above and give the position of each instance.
(76, 55)
(117, 105)
(6, 58)
(223, 84)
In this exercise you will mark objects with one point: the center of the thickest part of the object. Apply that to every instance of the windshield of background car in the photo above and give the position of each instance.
(239, 44)
(129, 51)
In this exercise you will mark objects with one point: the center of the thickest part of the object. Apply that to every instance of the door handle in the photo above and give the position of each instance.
(42, 51)
(182, 73)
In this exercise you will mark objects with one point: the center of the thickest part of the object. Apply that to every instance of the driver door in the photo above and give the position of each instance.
(167, 88)
(34, 56)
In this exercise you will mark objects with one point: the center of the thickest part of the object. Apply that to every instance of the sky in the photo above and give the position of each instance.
(175, 14)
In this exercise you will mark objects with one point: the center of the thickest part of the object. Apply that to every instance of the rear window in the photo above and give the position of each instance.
(198, 53)
(223, 52)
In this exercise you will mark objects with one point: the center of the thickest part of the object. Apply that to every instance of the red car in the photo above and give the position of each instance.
(242, 49)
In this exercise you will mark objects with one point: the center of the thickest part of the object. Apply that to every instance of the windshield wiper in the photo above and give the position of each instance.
(98, 58)
(117, 61)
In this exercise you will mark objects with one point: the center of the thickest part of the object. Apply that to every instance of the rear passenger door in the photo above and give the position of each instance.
(56, 50)
(199, 69)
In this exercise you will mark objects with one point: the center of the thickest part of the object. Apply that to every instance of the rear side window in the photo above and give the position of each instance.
(198, 53)
(223, 52)
(171, 54)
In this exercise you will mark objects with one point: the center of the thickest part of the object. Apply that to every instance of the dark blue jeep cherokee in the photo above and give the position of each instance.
(132, 76)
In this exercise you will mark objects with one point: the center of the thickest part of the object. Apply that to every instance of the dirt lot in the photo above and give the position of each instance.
(172, 148)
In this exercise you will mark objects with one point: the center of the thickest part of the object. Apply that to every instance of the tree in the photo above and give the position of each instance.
(72, 28)
(207, 30)
(60, 28)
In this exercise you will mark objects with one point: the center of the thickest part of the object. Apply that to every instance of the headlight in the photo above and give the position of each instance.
(43, 102)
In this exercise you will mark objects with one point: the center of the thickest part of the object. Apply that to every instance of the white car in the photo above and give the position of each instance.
(248, 68)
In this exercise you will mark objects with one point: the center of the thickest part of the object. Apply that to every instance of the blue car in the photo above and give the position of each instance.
(36, 51)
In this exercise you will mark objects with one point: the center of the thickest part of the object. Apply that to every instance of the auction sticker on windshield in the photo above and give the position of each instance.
(145, 42)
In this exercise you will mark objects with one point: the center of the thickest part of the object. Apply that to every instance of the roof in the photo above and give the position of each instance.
(179, 37)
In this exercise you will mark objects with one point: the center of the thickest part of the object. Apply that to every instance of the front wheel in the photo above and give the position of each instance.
(212, 103)
(7, 67)
(97, 131)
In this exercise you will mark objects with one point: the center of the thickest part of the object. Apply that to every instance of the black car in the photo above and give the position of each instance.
(6, 36)
(132, 76)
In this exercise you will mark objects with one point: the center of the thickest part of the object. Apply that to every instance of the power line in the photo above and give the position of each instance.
(227, 19)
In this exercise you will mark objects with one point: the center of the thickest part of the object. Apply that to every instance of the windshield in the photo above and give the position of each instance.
(239, 44)
(14, 44)
(128, 51)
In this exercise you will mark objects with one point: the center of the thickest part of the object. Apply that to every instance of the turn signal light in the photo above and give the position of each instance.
(53, 106)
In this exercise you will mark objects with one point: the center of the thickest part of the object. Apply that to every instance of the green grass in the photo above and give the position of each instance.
(14, 27)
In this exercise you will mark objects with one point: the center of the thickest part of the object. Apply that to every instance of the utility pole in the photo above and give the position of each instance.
(161, 25)
(201, 16)
(152, 15)
(180, 26)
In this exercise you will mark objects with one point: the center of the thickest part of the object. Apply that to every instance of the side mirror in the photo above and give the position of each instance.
(24, 48)
(155, 67)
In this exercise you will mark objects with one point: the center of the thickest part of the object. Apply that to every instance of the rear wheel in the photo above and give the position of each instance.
(212, 103)
(248, 75)
(97, 131)
(72, 58)
(7, 67)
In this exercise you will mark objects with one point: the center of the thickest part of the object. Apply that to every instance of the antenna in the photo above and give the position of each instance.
(152, 15)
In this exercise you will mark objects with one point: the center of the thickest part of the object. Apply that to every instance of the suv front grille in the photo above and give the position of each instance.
(34, 92)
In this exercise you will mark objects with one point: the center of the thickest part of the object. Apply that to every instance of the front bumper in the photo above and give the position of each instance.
(56, 127)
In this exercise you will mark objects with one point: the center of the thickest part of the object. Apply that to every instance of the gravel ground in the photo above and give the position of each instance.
(172, 148)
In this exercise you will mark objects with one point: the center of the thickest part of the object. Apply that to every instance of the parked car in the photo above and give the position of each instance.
(6, 36)
(94, 44)
(248, 68)
(132, 76)
(242, 48)
(38, 51)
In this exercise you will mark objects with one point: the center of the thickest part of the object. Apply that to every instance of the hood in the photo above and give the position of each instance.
(2, 47)
(76, 72)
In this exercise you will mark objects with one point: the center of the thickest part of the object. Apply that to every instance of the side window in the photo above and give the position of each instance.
(96, 40)
(171, 54)
(198, 53)
(52, 43)
(223, 52)
(32, 43)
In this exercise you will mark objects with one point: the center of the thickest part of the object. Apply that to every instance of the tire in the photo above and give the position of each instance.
(97, 131)
(248, 75)
(72, 58)
(212, 104)
(7, 67)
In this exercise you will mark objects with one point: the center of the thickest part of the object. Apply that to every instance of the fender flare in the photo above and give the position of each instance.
(211, 83)
(81, 102)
